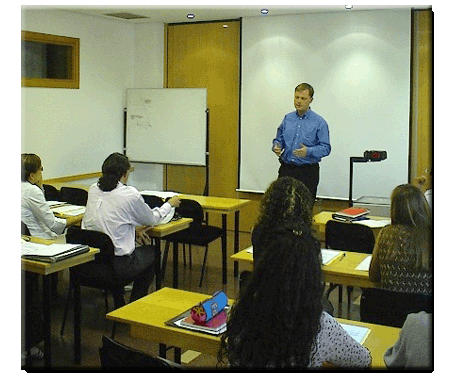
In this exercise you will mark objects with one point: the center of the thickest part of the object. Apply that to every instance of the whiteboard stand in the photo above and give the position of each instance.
(206, 190)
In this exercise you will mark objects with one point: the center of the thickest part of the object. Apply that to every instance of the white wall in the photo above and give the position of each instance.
(74, 130)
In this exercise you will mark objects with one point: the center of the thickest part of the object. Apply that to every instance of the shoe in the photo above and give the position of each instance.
(34, 354)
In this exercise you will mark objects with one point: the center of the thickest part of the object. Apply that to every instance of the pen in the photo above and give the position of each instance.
(343, 255)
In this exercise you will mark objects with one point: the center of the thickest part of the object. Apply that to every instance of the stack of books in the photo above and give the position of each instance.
(351, 214)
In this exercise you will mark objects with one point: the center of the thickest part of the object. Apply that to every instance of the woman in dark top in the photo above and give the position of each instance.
(401, 259)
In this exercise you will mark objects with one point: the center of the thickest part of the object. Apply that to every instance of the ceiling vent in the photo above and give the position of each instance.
(125, 15)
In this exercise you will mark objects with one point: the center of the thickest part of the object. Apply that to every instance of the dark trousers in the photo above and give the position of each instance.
(308, 174)
(139, 268)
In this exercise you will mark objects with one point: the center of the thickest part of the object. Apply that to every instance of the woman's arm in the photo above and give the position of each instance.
(338, 347)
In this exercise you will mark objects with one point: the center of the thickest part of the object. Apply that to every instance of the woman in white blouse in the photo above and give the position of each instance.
(35, 212)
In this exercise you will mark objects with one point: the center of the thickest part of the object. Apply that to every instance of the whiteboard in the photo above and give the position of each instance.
(359, 66)
(167, 126)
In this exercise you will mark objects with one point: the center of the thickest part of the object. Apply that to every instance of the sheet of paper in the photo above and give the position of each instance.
(161, 194)
(359, 333)
(55, 203)
(328, 255)
(69, 210)
(365, 264)
(249, 249)
(372, 223)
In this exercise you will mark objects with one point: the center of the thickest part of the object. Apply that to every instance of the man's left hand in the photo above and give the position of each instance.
(301, 152)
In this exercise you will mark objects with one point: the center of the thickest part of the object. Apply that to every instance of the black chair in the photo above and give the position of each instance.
(73, 196)
(51, 193)
(97, 274)
(198, 233)
(348, 237)
(115, 356)
(391, 308)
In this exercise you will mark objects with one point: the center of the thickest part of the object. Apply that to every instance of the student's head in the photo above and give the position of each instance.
(276, 319)
(409, 207)
(286, 200)
(114, 169)
(31, 168)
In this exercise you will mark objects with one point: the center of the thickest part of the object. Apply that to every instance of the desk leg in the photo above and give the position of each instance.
(158, 263)
(175, 265)
(236, 242)
(47, 321)
(77, 322)
(224, 249)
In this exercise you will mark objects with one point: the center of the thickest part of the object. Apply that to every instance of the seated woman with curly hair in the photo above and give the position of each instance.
(278, 321)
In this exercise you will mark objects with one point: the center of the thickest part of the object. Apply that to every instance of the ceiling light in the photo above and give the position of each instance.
(225, 26)
(264, 11)
(190, 15)
(348, 6)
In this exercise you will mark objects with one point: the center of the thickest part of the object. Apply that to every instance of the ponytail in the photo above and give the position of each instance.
(114, 167)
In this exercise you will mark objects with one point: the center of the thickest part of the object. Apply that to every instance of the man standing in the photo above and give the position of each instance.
(302, 140)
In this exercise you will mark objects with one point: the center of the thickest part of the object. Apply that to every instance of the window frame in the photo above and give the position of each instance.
(74, 63)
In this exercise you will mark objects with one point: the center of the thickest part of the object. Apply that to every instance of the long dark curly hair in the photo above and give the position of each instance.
(275, 321)
(286, 200)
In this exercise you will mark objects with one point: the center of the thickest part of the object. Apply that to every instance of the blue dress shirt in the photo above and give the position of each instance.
(311, 130)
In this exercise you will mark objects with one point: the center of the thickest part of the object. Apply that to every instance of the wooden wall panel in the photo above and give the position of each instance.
(422, 94)
(206, 55)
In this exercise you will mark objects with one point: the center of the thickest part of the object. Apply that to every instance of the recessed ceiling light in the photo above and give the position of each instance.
(264, 11)
(225, 26)
(190, 15)
(348, 6)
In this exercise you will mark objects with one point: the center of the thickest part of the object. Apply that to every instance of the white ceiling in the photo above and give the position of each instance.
(178, 13)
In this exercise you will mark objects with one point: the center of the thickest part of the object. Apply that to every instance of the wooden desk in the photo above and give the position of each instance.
(339, 271)
(225, 207)
(160, 231)
(147, 315)
(48, 268)
(320, 220)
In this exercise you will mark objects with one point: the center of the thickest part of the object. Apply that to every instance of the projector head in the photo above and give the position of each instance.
(375, 155)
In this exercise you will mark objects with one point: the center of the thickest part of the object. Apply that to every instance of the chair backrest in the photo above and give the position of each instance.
(349, 237)
(25, 230)
(190, 208)
(114, 355)
(94, 239)
(51, 193)
(73, 195)
(386, 307)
